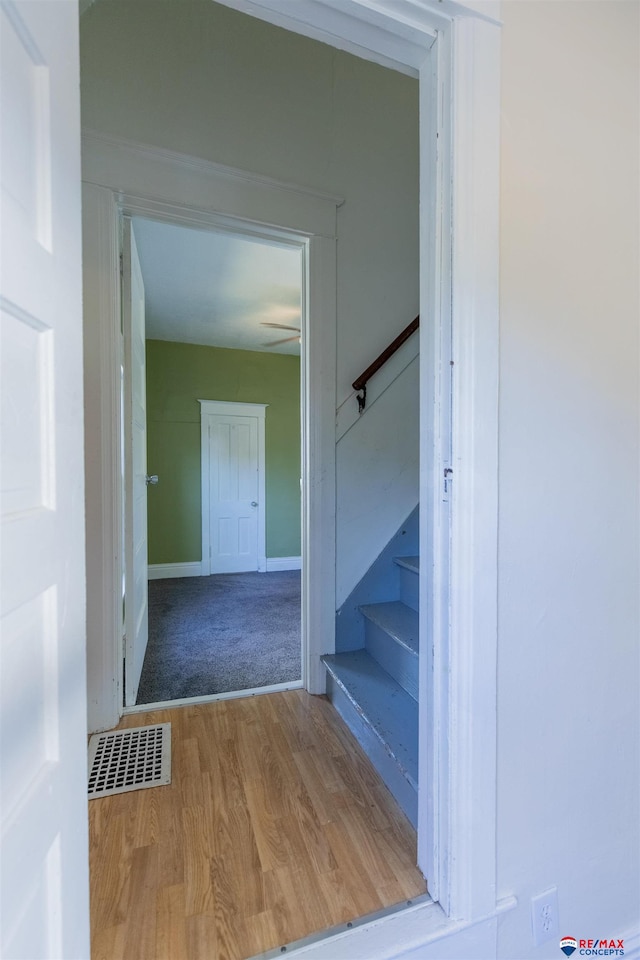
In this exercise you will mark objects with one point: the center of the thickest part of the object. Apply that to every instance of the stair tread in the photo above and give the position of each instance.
(397, 619)
(409, 563)
(388, 709)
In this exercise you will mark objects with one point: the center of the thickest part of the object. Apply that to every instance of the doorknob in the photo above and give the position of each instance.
(254, 503)
(153, 479)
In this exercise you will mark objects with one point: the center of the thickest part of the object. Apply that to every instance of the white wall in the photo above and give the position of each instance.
(204, 80)
(378, 444)
(568, 545)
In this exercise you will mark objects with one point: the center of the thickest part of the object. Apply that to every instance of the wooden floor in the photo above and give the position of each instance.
(275, 826)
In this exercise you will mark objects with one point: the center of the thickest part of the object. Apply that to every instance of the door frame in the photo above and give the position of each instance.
(136, 615)
(125, 178)
(212, 408)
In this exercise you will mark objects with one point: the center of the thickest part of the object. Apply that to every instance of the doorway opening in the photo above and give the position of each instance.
(456, 54)
(213, 335)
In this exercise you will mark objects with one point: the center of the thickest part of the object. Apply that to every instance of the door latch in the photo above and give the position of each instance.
(152, 479)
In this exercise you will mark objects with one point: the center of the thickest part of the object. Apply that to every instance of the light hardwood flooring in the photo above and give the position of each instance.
(275, 826)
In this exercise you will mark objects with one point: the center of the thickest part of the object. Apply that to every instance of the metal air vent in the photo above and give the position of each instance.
(132, 759)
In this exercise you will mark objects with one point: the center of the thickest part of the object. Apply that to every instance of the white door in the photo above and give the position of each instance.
(233, 453)
(136, 622)
(44, 905)
(233, 486)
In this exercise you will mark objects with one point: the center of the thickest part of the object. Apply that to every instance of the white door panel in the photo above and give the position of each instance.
(44, 910)
(234, 473)
(233, 486)
(136, 583)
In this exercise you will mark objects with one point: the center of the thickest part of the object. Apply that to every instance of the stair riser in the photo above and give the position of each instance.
(409, 588)
(403, 792)
(393, 657)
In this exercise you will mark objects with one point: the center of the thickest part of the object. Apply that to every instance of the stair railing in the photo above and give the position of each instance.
(360, 383)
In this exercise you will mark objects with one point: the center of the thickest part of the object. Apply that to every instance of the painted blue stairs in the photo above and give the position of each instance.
(375, 688)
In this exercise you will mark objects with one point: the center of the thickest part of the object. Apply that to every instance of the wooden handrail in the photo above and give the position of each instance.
(360, 384)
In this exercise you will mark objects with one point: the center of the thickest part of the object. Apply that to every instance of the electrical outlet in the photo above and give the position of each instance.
(544, 916)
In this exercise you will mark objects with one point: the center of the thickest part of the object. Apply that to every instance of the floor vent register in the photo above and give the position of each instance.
(132, 759)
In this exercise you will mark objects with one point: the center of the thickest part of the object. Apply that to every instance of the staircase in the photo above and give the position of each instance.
(375, 688)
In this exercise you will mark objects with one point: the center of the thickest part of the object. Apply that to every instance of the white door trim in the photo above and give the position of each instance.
(470, 891)
(136, 593)
(206, 189)
(104, 492)
(209, 408)
(128, 178)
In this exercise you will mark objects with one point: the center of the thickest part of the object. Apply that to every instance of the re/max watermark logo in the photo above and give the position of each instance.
(605, 947)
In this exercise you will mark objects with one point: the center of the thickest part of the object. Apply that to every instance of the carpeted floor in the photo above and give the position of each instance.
(221, 633)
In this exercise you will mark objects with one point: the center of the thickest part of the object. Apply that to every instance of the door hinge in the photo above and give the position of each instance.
(448, 480)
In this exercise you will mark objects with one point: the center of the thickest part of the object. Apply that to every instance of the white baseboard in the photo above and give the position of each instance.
(166, 571)
(283, 563)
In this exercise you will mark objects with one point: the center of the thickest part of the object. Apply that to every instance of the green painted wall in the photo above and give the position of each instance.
(180, 374)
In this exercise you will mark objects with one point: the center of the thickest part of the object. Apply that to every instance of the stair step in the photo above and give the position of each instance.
(382, 717)
(391, 638)
(396, 619)
(409, 580)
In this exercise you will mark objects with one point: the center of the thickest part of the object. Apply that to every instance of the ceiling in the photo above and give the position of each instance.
(217, 288)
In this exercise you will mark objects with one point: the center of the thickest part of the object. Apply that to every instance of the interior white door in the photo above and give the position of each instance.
(44, 903)
(234, 478)
(136, 620)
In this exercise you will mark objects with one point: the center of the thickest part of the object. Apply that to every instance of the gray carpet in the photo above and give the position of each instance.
(221, 633)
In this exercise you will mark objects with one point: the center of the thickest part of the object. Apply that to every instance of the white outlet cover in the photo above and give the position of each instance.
(545, 922)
